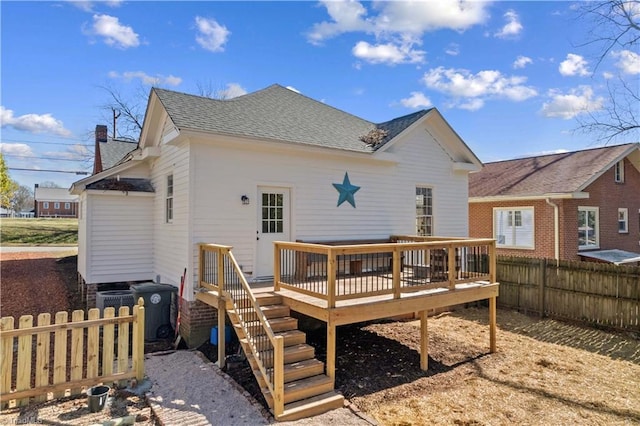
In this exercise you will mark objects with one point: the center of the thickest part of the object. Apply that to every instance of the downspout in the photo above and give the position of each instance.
(556, 228)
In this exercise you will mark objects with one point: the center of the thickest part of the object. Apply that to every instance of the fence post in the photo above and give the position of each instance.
(541, 287)
(138, 339)
(331, 279)
(397, 270)
(277, 264)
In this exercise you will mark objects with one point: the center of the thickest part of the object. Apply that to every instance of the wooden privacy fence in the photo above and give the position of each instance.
(55, 360)
(594, 293)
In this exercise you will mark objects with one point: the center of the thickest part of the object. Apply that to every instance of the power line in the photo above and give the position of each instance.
(45, 143)
(45, 158)
(49, 171)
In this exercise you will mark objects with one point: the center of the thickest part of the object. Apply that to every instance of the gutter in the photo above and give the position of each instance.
(556, 230)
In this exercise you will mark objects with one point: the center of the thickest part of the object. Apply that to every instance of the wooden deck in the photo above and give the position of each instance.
(347, 284)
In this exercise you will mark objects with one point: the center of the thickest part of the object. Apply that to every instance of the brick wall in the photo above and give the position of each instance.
(196, 320)
(481, 226)
(51, 211)
(604, 193)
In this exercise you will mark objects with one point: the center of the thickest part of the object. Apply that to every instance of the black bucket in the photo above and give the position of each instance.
(96, 397)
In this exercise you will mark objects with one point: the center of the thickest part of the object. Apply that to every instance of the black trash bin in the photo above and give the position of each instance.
(157, 309)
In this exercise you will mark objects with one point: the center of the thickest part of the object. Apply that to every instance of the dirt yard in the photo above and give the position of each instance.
(545, 371)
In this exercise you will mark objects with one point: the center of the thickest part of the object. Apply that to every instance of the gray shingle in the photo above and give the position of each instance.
(123, 184)
(114, 150)
(276, 113)
(546, 174)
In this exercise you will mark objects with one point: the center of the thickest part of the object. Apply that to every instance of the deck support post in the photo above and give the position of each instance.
(424, 342)
(331, 351)
(492, 324)
(222, 313)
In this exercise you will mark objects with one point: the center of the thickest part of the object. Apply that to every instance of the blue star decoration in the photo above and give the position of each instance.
(346, 191)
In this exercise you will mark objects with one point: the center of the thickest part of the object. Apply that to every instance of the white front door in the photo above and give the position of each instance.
(273, 225)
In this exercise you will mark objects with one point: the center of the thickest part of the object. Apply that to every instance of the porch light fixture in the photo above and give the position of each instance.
(245, 200)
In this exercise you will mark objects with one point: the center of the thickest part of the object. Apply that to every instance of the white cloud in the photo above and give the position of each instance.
(21, 149)
(293, 89)
(453, 49)
(475, 89)
(87, 6)
(388, 53)
(416, 100)
(513, 27)
(114, 33)
(33, 123)
(628, 61)
(233, 90)
(73, 152)
(158, 80)
(347, 16)
(211, 35)
(573, 65)
(473, 104)
(522, 61)
(396, 26)
(578, 101)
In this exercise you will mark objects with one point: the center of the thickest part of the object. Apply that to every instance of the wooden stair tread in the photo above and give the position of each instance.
(312, 406)
(296, 371)
(294, 353)
(303, 389)
(279, 324)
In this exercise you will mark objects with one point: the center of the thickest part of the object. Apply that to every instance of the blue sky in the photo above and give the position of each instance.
(510, 77)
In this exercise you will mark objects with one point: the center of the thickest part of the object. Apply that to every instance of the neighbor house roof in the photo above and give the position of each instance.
(54, 194)
(278, 113)
(563, 173)
(114, 150)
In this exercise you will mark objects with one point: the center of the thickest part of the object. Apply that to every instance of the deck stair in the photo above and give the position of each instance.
(308, 391)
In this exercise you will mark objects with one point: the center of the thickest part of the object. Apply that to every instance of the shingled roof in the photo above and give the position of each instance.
(114, 150)
(546, 174)
(278, 113)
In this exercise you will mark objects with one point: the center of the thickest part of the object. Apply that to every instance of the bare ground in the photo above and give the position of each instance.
(545, 371)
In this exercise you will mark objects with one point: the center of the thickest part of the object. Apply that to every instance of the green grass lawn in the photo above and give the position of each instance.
(38, 231)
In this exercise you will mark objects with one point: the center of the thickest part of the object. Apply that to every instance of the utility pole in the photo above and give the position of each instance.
(115, 117)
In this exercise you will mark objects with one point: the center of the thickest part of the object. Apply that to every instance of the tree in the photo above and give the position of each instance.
(22, 199)
(48, 184)
(613, 25)
(7, 185)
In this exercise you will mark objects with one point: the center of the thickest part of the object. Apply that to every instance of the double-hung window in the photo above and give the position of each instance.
(588, 228)
(513, 227)
(45, 205)
(169, 200)
(56, 206)
(623, 221)
(424, 210)
(618, 171)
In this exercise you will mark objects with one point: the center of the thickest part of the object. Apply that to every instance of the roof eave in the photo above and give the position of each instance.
(600, 172)
(79, 186)
(551, 195)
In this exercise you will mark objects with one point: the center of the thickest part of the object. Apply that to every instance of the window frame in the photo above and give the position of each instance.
(45, 205)
(56, 205)
(625, 220)
(618, 172)
(515, 221)
(597, 230)
(67, 206)
(168, 203)
(428, 210)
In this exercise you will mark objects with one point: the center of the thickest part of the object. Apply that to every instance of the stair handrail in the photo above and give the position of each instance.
(276, 384)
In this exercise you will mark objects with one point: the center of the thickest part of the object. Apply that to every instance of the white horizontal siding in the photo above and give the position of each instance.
(171, 251)
(83, 249)
(120, 238)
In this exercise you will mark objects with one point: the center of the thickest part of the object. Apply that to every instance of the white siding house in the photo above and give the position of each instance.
(218, 165)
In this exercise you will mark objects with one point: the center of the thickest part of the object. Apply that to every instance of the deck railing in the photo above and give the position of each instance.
(336, 272)
(220, 272)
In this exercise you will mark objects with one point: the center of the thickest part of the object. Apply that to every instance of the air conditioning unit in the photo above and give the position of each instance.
(114, 299)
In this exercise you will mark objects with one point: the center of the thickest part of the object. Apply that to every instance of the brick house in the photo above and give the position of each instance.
(570, 206)
(55, 202)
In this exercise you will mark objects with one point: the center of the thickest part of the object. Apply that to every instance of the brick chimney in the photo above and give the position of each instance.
(101, 137)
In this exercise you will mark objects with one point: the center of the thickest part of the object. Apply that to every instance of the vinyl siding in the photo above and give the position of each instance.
(170, 239)
(119, 240)
(385, 203)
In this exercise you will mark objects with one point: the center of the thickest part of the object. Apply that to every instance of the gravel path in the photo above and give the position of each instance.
(188, 389)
